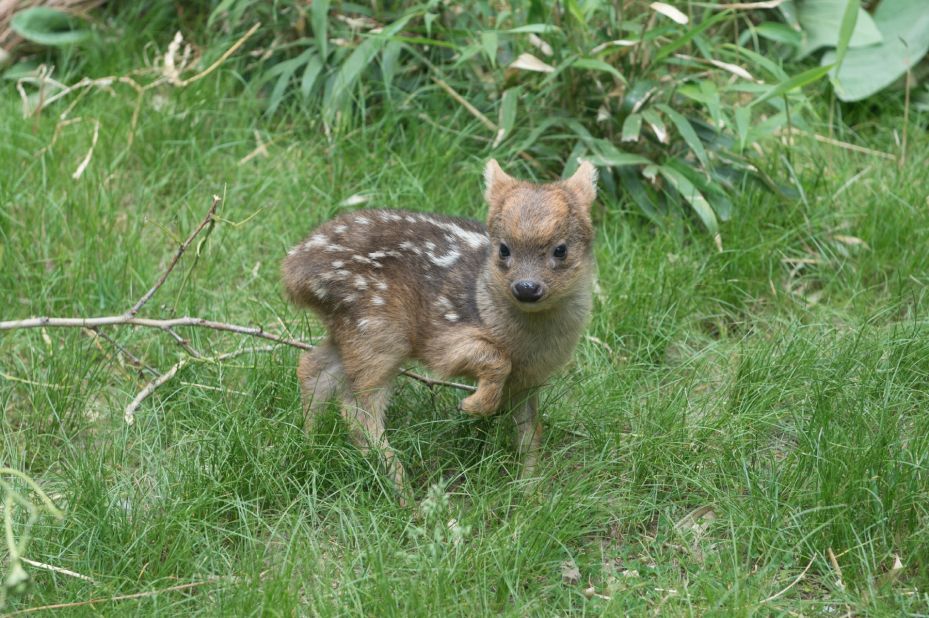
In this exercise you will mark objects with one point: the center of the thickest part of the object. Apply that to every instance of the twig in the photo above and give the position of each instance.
(838, 569)
(845, 145)
(207, 220)
(793, 583)
(54, 569)
(222, 58)
(487, 122)
(430, 382)
(129, 414)
(131, 318)
(121, 597)
(134, 360)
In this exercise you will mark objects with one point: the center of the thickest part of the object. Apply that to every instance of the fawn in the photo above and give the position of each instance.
(504, 304)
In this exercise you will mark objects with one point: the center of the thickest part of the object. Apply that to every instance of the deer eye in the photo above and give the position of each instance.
(504, 251)
(561, 251)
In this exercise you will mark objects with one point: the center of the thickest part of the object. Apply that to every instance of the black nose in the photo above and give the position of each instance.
(527, 291)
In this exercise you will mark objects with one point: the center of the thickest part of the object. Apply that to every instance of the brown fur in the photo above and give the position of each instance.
(392, 285)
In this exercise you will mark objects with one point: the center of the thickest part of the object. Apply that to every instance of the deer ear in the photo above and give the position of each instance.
(583, 184)
(496, 183)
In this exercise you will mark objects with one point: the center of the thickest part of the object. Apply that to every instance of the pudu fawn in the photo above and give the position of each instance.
(503, 304)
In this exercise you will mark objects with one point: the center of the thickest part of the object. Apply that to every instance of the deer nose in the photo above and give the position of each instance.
(527, 291)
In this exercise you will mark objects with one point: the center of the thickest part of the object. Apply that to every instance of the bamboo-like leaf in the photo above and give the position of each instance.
(690, 193)
(687, 132)
(632, 128)
(489, 45)
(319, 19)
(657, 124)
(797, 81)
(528, 62)
(598, 65)
(849, 19)
(313, 69)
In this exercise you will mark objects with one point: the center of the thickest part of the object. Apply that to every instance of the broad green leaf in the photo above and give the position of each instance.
(797, 81)
(687, 132)
(632, 127)
(47, 26)
(865, 71)
(489, 45)
(779, 33)
(821, 22)
(690, 193)
(319, 19)
(598, 65)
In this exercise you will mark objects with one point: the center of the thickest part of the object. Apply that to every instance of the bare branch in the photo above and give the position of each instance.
(150, 388)
(207, 220)
(129, 414)
(131, 318)
(121, 597)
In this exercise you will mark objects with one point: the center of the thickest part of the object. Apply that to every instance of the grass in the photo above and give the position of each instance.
(734, 419)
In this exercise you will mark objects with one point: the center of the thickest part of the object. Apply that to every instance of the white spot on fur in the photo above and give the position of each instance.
(363, 324)
(360, 283)
(338, 264)
(319, 289)
(340, 229)
(430, 245)
(475, 240)
(377, 300)
(410, 219)
(350, 298)
(294, 250)
(362, 259)
(446, 260)
(443, 303)
(381, 285)
(409, 246)
(362, 220)
(333, 248)
(317, 240)
(342, 274)
(451, 316)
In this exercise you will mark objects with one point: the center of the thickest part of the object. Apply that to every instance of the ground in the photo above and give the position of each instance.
(742, 432)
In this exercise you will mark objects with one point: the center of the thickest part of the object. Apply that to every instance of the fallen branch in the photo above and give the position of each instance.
(168, 325)
(121, 597)
(55, 569)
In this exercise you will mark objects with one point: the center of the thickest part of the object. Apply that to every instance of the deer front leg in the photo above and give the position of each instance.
(491, 371)
(528, 432)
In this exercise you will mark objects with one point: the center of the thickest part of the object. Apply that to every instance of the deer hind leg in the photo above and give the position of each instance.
(364, 406)
(321, 378)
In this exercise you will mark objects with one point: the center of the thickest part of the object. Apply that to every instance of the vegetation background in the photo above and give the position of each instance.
(744, 429)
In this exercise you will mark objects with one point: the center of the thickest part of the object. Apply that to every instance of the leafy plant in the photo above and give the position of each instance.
(880, 51)
(656, 98)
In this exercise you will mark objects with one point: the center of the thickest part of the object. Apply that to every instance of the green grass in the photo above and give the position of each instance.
(786, 399)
